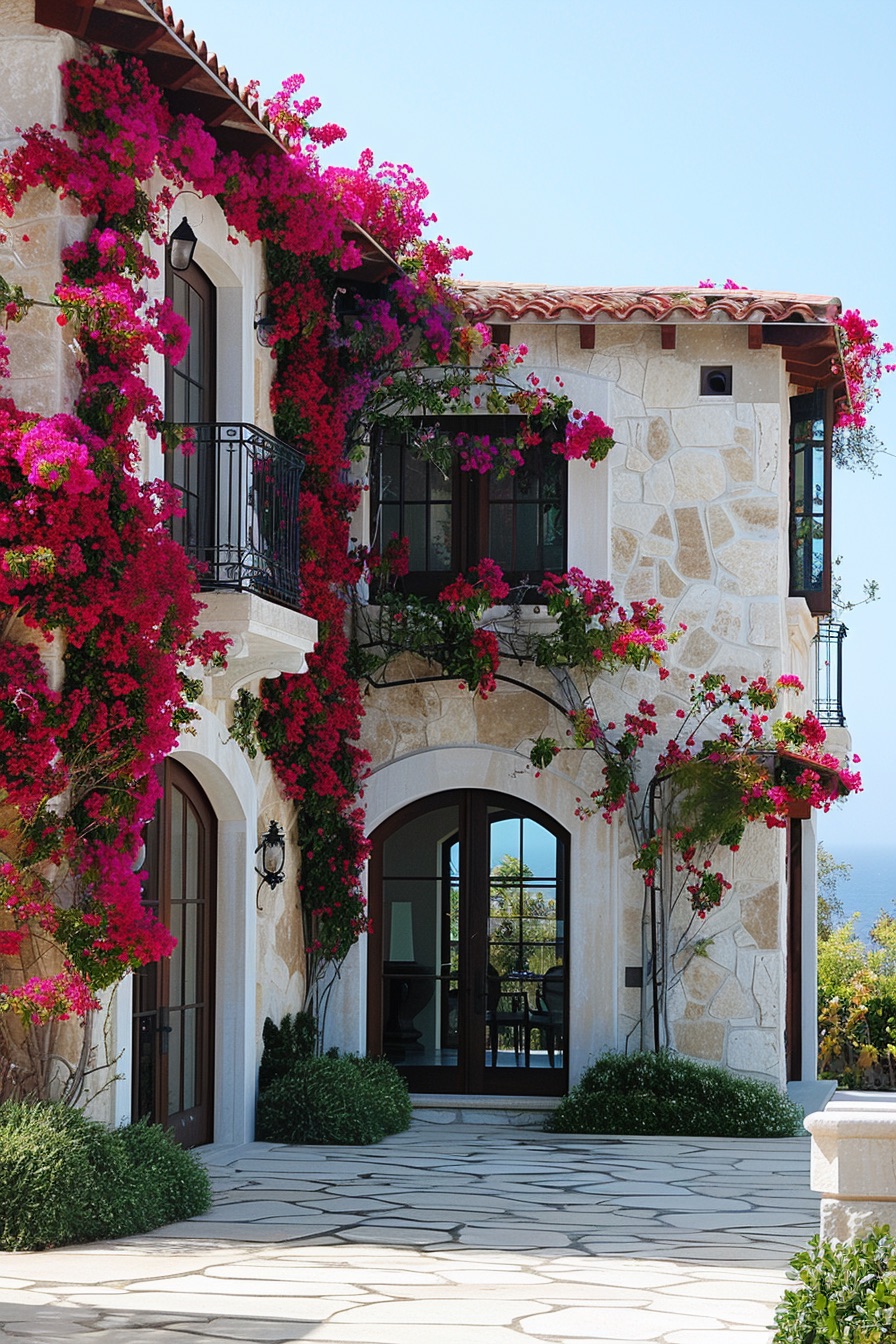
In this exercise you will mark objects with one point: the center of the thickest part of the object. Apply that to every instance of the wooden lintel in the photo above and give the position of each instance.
(754, 336)
(586, 335)
(667, 336)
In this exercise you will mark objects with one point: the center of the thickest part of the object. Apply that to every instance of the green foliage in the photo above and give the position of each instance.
(161, 1182)
(846, 1293)
(64, 1178)
(244, 729)
(883, 932)
(326, 1100)
(663, 1093)
(709, 797)
(284, 1046)
(522, 921)
(829, 874)
(544, 749)
(841, 957)
(857, 1006)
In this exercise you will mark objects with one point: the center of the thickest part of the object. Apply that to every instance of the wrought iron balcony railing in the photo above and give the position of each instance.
(240, 492)
(829, 672)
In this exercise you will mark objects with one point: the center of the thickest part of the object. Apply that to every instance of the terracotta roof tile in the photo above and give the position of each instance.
(515, 302)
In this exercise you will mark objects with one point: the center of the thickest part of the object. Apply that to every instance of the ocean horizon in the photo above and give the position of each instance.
(871, 886)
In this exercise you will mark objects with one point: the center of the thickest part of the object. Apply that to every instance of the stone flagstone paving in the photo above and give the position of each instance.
(449, 1234)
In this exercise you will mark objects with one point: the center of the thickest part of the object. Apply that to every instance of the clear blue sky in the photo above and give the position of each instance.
(609, 142)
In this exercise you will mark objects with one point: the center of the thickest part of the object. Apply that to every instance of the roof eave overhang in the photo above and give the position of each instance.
(193, 82)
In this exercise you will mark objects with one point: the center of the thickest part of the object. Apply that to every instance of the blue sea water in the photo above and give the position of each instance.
(872, 883)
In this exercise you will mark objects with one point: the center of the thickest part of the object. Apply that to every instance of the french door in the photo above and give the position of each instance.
(173, 998)
(190, 399)
(467, 979)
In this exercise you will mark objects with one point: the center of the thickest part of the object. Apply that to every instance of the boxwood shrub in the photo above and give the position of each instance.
(294, 1039)
(646, 1093)
(846, 1293)
(64, 1178)
(323, 1099)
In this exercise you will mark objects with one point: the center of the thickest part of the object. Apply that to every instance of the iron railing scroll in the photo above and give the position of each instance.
(240, 490)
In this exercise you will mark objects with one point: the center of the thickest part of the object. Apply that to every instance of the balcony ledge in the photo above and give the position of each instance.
(267, 639)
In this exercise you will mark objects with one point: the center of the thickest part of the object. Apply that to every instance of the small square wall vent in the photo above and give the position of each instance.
(715, 380)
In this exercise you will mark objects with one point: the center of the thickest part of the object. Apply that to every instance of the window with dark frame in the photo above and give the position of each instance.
(452, 522)
(811, 419)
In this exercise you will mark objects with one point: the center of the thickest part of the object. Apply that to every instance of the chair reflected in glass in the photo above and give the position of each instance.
(547, 1016)
(506, 1010)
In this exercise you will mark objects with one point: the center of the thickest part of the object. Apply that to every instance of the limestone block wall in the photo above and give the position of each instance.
(42, 360)
(691, 508)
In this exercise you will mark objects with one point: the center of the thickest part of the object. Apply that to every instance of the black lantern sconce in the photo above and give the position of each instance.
(264, 323)
(182, 242)
(273, 855)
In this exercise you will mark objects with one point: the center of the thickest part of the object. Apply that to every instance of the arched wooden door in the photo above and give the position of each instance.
(467, 974)
(174, 997)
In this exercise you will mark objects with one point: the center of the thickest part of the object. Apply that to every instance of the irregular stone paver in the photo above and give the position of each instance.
(451, 1233)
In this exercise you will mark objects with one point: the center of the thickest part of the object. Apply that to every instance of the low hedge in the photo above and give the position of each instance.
(646, 1093)
(284, 1046)
(64, 1178)
(347, 1099)
(846, 1293)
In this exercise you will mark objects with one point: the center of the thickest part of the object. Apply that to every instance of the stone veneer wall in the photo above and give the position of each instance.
(692, 508)
(42, 378)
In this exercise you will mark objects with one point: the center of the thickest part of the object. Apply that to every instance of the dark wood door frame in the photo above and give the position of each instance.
(793, 1029)
(164, 1012)
(470, 1076)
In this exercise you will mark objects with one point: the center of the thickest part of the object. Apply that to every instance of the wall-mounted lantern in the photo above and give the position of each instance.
(264, 322)
(273, 855)
(181, 246)
(182, 242)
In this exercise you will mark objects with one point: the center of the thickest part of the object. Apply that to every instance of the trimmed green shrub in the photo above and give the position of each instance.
(663, 1093)
(327, 1100)
(294, 1039)
(64, 1178)
(162, 1182)
(847, 1293)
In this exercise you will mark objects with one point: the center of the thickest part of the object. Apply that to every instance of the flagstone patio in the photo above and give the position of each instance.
(449, 1234)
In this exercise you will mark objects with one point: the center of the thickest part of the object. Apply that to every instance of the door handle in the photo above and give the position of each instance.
(163, 1027)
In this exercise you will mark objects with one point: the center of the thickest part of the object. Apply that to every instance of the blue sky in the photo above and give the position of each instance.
(608, 142)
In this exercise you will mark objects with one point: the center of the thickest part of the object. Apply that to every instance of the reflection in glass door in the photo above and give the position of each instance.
(468, 955)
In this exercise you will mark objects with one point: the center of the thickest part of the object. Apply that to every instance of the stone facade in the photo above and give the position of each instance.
(691, 507)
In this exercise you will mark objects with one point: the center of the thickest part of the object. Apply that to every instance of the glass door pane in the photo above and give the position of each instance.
(468, 980)
(421, 942)
(526, 1017)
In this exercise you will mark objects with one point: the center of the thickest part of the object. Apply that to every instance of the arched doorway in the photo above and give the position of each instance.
(468, 987)
(173, 998)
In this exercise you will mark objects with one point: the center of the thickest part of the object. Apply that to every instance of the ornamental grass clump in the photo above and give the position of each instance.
(664, 1093)
(64, 1178)
(347, 1099)
(846, 1293)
